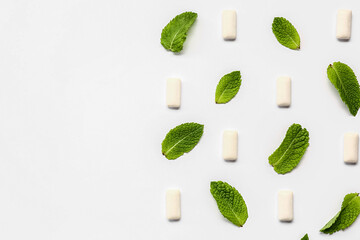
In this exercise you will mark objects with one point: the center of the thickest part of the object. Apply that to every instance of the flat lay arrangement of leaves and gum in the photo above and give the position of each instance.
(289, 151)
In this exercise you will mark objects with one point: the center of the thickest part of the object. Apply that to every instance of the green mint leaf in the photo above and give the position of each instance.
(230, 203)
(344, 80)
(174, 33)
(306, 237)
(181, 139)
(286, 33)
(350, 210)
(228, 87)
(291, 150)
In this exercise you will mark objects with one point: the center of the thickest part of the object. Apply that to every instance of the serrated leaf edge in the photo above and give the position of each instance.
(342, 85)
(218, 99)
(292, 141)
(167, 152)
(298, 45)
(334, 219)
(230, 207)
(172, 40)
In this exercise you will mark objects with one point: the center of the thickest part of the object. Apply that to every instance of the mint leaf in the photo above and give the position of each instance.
(228, 87)
(350, 210)
(306, 237)
(174, 33)
(286, 33)
(230, 203)
(181, 139)
(344, 80)
(291, 150)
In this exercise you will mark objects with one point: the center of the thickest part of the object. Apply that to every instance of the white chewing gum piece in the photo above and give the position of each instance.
(351, 148)
(229, 24)
(285, 206)
(283, 91)
(173, 92)
(230, 145)
(343, 24)
(173, 209)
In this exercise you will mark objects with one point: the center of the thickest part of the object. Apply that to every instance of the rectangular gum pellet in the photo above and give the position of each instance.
(283, 91)
(285, 206)
(230, 145)
(343, 24)
(173, 92)
(351, 148)
(229, 24)
(173, 211)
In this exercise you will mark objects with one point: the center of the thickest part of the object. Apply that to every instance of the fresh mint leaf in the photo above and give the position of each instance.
(181, 139)
(291, 150)
(230, 202)
(228, 87)
(174, 33)
(344, 80)
(306, 237)
(286, 33)
(350, 210)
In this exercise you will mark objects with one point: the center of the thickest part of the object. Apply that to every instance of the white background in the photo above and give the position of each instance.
(83, 114)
